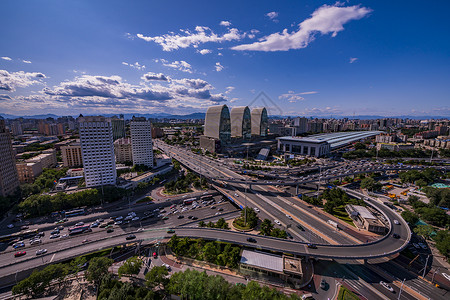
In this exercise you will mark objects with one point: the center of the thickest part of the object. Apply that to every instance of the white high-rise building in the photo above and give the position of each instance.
(97, 150)
(141, 141)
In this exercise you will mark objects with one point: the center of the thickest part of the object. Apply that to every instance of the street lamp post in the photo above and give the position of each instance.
(401, 288)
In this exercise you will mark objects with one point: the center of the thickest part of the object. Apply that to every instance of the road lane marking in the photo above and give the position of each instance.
(53, 256)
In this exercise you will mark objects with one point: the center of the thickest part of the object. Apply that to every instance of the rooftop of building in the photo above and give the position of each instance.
(362, 211)
(262, 260)
(335, 139)
(292, 265)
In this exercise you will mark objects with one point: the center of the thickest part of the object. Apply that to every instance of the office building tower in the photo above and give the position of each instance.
(16, 128)
(9, 181)
(118, 127)
(97, 151)
(141, 141)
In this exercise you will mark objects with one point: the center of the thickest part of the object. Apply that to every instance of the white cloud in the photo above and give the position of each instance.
(153, 76)
(6, 58)
(291, 96)
(204, 51)
(353, 59)
(229, 89)
(225, 23)
(200, 35)
(219, 67)
(193, 83)
(308, 93)
(26, 61)
(136, 65)
(272, 15)
(9, 81)
(179, 65)
(234, 100)
(220, 54)
(325, 20)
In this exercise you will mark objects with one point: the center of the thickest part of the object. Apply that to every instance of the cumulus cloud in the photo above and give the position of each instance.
(136, 65)
(229, 89)
(4, 97)
(104, 86)
(153, 76)
(308, 93)
(204, 51)
(218, 67)
(193, 83)
(26, 61)
(201, 35)
(272, 15)
(181, 65)
(10, 81)
(328, 19)
(291, 96)
(353, 59)
(225, 23)
(6, 58)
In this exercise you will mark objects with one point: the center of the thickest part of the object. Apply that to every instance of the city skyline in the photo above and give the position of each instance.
(310, 58)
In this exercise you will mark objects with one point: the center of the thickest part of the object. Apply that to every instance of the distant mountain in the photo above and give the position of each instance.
(6, 116)
(199, 115)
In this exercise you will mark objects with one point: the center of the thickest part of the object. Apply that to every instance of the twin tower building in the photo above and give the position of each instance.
(224, 127)
(97, 148)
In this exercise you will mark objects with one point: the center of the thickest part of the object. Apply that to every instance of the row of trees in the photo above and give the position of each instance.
(219, 253)
(221, 224)
(428, 212)
(337, 198)
(184, 182)
(39, 205)
(268, 229)
(438, 197)
(421, 178)
(43, 182)
(39, 282)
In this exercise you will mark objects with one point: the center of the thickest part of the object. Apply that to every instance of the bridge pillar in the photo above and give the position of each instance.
(365, 260)
(296, 189)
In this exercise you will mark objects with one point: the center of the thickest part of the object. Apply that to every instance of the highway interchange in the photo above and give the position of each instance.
(288, 210)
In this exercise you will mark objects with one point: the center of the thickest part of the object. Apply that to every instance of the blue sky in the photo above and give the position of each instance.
(311, 58)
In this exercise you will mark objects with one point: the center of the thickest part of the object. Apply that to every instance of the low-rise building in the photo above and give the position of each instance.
(365, 218)
(28, 171)
(47, 159)
(123, 150)
(71, 154)
(395, 146)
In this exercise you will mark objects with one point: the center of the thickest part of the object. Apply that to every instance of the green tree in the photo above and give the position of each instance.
(266, 227)
(421, 182)
(157, 277)
(370, 184)
(202, 223)
(222, 224)
(98, 267)
(132, 266)
(410, 217)
(424, 230)
(442, 239)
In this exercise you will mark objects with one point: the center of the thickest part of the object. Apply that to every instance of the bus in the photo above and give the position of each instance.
(189, 201)
(74, 212)
(16, 235)
(79, 229)
(206, 198)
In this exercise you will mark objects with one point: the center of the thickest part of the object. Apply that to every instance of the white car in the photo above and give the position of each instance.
(128, 218)
(41, 251)
(446, 276)
(396, 222)
(64, 236)
(135, 219)
(36, 241)
(277, 222)
(79, 224)
(256, 209)
(289, 217)
(119, 218)
(10, 226)
(118, 223)
(387, 286)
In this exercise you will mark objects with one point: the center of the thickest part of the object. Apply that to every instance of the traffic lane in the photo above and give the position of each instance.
(99, 233)
(80, 249)
(323, 227)
(374, 278)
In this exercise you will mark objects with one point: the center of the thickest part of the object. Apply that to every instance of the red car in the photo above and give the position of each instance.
(20, 253)
(155, 255)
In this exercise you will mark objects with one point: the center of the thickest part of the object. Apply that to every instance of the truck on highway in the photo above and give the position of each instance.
(333, 223)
